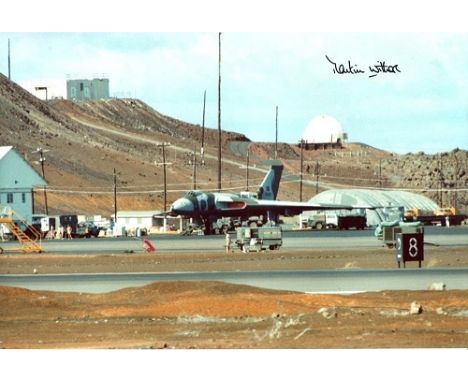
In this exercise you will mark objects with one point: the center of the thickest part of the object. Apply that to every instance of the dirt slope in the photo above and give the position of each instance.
(86, 141)
(220, 315)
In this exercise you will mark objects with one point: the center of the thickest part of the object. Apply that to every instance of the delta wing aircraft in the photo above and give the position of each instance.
(207, 207)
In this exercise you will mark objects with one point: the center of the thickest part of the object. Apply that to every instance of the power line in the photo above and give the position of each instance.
(212, 189)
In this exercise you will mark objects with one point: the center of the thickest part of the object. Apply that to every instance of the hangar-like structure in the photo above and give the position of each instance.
(384, 202)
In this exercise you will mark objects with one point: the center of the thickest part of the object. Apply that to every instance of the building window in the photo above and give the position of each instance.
(23, 197)
(81, 86)
(73, 92)
(9, 197)
(86, 93)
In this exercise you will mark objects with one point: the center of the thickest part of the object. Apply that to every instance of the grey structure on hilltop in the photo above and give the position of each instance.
(97, 88)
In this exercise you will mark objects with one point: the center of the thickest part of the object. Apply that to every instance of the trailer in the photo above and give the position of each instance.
(438, 219)
(259, 238)
(352, 221)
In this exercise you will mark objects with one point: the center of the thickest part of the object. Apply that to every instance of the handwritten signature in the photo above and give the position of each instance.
(380, 67)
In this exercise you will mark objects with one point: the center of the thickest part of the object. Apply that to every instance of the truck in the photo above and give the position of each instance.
(443, 216)
(319, 221)
(331, 220)
(259, 238)
(86, 229)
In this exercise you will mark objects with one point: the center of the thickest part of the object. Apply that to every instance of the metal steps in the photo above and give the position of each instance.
(28, 244)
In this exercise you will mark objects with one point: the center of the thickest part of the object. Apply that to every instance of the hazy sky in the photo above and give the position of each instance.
(422, 106)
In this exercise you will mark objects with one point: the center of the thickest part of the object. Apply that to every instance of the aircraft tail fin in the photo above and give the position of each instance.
(268, 190)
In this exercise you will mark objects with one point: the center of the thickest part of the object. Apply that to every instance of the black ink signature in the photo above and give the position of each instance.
(380, 67)
(341, 69)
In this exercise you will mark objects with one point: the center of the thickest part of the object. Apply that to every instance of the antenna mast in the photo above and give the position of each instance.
(203, 132)
(276, 135)
(9, 61)
(219, 112)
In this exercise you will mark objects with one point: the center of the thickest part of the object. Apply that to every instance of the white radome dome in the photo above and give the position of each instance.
(323, 129)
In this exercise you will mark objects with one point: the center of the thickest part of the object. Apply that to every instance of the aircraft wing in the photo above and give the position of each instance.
(295, 208)
(287, 208)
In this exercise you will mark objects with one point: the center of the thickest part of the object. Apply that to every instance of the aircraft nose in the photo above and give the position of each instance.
(181, 206)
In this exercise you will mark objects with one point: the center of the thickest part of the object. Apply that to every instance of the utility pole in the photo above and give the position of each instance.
(164, 172)
(202, 152)
(455, 194)
(317, 174)
(41, 161)
(380, 173)
(163, 146)
(276, 134)
(247, 172)
(191, 160)
(115, 197)
(219, 112)
(194, 172)
(441, 180)
(301, 166)
(9, 63)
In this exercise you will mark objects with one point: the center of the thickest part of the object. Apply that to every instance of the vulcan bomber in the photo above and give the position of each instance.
(206, 207)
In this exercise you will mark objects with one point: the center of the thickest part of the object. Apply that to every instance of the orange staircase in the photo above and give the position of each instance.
(28, 244)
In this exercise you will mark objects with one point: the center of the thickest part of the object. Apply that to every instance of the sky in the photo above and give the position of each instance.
(421, 104)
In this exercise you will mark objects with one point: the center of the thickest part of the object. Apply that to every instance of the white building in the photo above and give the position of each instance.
(324, 130)
(17, 180)
(128, 222)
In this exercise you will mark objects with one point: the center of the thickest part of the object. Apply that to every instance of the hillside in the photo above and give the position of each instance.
(86, 140)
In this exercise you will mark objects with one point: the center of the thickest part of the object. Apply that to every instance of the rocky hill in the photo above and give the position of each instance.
(437, 176)
(86, 140)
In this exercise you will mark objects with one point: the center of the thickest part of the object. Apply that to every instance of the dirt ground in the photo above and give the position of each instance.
(220, 315)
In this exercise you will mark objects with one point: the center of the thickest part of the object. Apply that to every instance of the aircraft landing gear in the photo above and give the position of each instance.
(207, 227)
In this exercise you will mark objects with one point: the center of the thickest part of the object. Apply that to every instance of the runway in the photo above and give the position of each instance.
(291, 240)
(316, 281)
(334, 280)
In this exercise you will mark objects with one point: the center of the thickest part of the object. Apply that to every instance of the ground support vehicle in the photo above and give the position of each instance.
(259, 238)
(387, 231)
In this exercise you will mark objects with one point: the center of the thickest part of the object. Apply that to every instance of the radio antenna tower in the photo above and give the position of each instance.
(9, 61)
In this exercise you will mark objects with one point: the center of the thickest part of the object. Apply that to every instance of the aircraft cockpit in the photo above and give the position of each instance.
(192, 194)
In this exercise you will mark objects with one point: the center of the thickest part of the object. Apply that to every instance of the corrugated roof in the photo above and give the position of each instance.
(377, 198)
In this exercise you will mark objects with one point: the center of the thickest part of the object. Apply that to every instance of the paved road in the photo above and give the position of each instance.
(342, 280)
(292, 240)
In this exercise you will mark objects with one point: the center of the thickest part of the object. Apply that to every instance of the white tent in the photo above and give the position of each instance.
(384, 200)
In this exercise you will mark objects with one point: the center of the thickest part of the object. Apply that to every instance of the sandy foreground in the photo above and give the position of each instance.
(212, 315)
